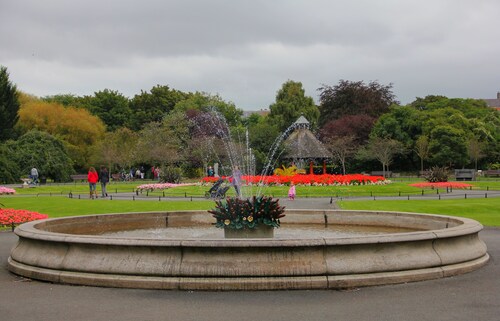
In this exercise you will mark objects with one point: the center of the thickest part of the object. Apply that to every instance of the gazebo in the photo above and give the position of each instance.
(301, 146)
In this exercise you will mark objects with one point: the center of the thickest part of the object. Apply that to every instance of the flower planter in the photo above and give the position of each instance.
(259, 232)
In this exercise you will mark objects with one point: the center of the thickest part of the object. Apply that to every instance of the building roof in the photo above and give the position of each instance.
(494, 103)
(302, 144)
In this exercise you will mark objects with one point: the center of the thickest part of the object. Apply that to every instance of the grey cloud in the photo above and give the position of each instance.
(245, 50)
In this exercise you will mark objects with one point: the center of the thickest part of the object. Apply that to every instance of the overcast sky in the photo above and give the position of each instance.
(245, 50)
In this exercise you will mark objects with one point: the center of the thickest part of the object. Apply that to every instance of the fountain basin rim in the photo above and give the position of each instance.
(464, 225)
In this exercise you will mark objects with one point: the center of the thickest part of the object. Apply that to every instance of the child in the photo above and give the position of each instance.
(291, 192)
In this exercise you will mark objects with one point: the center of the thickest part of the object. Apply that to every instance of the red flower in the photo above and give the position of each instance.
(10, 216)
(308, 179)
(441, 185)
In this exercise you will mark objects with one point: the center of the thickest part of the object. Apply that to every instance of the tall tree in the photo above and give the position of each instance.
(448, 146)
(383, 150)
(9, 105)
(353, 98)
(342, 148)
(152, 106)
(205, 102)
(475, 150)
(422, 150)
(111, 107)
(118, 149)
(75, 126)
(291, 103)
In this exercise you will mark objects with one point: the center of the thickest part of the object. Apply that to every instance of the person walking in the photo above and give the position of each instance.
(92, 178)
(34, 176)
(104, 179)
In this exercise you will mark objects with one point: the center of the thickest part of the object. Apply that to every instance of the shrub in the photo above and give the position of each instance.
(437, 174)
(170, 174)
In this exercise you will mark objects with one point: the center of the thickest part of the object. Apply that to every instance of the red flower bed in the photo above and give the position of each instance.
(10, 216)
(325, 179)
(441, 185)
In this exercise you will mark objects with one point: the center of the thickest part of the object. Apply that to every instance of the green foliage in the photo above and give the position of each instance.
(494, 166)
(170, 174)
(437, 174)
(112, 107)
(288, 171)
(235, 213)
(43, 151)
(9, 169)
(152, 106)
(205, 102)
(262, 136)
(9, 105)
(291, 103)
(449, 125)
(448, 146)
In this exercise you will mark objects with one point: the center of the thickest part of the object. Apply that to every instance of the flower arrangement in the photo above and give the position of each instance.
(235, 213)
(160, 186)
(11, 217)
(6, 190)
(309, 179)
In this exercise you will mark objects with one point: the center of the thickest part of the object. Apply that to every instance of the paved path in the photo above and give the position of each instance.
(473, 296)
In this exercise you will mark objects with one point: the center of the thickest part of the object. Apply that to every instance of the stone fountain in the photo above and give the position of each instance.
(83, 250)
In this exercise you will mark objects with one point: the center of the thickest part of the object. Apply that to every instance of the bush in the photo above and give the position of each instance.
(437, 174)
(170, 174)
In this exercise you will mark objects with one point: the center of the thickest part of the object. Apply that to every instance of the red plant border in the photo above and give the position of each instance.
(11, 217)
(308, 179)
(442, 185)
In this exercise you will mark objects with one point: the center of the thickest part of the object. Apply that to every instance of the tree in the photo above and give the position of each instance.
(9, 105)
(342, 148)
(43, 151)
(118, 149)
(356, 126)
(448, 146)
(158, 145)
(354, 98)
(422, 149)
(475, 150)
(262, 137)
(111, 107)
(204, 102)
(383, 150)
(9, 169)
(152, 106)
(76, 127)
(291, 103)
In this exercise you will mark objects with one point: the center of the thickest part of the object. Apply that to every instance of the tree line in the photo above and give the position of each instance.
(362, 124)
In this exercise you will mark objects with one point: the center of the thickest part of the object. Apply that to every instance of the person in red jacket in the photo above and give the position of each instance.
(92, 178)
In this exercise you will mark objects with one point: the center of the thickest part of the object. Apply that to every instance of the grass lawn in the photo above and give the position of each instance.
(57, 206)
(485, 211)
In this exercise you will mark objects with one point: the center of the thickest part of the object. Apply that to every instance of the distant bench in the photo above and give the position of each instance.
(78, 177)
(492, 172)
(465, 174)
